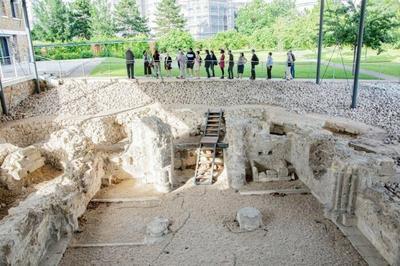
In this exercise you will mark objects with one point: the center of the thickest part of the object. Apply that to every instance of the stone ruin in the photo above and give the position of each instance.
(345, 165)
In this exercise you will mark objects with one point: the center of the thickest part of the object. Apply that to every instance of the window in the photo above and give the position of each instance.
(14, 8)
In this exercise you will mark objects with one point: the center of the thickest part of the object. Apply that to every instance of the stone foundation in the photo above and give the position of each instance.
(330, 156)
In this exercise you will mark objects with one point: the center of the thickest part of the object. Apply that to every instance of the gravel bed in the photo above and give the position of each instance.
(379, 102)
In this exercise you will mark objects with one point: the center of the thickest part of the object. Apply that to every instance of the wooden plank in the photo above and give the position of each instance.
(209, 140)
(272, 191)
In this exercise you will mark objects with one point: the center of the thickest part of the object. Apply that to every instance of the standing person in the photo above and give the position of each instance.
(292, 70)
(254, 62)
(130, 63)
(157, 64)
(197, 64)
(214, 62)
(208, 63)
(181, 62)
(147, 62)
(288, 72)
(190, 56)
(270, 63)
(240, 65)
(222, 63)
(168, 64)
(177, 57)
(231, 63)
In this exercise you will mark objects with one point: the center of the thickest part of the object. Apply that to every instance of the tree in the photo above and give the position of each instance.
(52, 20)
(342, 22)
(175, 40)
(128, 19)
(228, 39)
(258, 14)
(81, 20)
(102, 19)
(168, 17)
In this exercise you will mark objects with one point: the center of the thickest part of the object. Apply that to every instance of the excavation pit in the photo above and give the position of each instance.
(137, 162)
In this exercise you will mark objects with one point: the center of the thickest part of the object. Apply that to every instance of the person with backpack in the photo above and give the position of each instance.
(231, 63)
(254, 62)
(130, 63)
(213, 63)
(208, 63)
(197, 63)
(292, 70)
(222, 63)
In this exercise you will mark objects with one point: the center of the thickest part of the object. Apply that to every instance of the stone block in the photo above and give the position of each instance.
(249, 219)
(156, 230)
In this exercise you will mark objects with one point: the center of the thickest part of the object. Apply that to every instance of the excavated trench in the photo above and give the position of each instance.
(56, 172)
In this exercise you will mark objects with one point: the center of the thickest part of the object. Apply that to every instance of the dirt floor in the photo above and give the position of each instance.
(9, 199)
(204, 231)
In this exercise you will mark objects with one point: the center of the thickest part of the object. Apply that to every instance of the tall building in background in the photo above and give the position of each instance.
(204, 18)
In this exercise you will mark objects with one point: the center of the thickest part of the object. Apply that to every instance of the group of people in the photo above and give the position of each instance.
(189, 64)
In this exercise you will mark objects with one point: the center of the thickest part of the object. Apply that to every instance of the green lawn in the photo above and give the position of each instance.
(116, 67)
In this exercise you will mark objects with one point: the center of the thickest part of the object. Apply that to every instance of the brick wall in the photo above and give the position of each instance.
(7, 21)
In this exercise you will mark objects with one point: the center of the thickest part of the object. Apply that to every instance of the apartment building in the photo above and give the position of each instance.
(14, 46)
(204, 18)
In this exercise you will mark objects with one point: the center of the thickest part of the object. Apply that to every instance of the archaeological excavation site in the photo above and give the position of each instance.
(194, 172)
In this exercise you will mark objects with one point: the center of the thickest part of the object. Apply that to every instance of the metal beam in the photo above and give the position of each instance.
(358, 55)
(2, 99)
(320, 40)
(31, 51)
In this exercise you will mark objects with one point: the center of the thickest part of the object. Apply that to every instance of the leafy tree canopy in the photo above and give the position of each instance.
(81, 19)
(169, 17)
(102, 19)
(128, 19)
(175, 40)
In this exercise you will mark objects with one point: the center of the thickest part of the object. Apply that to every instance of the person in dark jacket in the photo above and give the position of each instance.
(157, 64)
(190, 56)
(254, 62)
(168, 64)
(208, 63)
(231, 63)
(130, 63)
(214, 62)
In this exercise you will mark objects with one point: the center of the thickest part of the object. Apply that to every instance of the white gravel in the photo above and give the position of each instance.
(379, 102)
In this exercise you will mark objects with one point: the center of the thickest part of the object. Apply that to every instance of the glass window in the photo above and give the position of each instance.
(14, 8)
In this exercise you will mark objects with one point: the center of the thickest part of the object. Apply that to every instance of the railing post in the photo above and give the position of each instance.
(2, 99)
(320, 40)
(358, 55)
(31, 51)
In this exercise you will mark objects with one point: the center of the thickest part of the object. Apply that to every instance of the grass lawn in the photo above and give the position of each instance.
(306, 70)
(387, 62)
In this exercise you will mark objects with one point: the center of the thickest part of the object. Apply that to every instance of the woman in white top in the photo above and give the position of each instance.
(288, 75)
(197, 64)
(240, 65)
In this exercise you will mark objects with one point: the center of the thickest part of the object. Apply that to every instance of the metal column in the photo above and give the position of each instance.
(31, 51)
(320, 40)
(2, 99)
(358, 55)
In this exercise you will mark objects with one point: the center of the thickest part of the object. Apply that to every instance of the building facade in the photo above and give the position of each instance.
(204, 18)
(13, 37)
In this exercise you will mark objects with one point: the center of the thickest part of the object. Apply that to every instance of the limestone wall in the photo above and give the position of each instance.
(16, 93)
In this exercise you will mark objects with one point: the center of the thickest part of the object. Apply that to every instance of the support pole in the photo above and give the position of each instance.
(31, 51)
(358, 55)
(320, 40)
(2, 99)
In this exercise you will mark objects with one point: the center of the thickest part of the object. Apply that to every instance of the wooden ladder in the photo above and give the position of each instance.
(208, 143)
